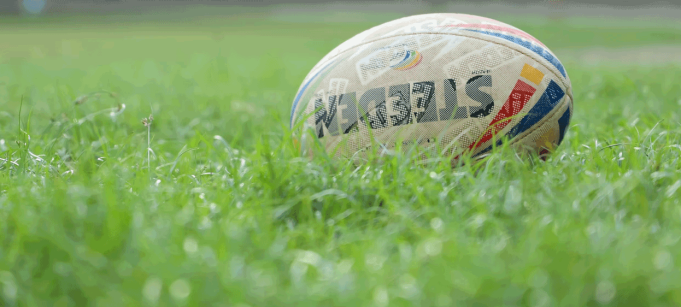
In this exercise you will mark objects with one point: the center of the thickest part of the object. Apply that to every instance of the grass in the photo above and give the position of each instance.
(222, 210)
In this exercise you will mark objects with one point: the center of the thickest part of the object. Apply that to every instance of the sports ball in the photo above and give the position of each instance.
(446, 83)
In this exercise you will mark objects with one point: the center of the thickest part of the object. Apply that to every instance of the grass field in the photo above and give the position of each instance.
(225, 212)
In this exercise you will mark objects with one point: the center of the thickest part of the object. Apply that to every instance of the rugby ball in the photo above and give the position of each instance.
(449, 83)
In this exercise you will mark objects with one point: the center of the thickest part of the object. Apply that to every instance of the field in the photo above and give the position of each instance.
(223, 211)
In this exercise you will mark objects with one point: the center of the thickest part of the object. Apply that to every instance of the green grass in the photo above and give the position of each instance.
(229, 214)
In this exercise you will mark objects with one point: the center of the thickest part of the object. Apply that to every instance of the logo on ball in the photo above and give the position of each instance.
(405, 59)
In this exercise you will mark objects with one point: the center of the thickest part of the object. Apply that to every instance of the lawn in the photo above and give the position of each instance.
(223, 211)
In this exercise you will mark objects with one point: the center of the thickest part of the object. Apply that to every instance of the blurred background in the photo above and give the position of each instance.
(242, 61)
(52, 6)
(56, 6)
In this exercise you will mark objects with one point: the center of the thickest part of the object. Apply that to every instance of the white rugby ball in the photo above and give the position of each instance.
(453, 83)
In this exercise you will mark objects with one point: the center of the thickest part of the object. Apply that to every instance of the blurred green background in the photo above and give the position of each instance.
(185, 61)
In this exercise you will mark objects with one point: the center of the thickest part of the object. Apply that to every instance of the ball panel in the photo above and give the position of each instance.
(443, 23)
